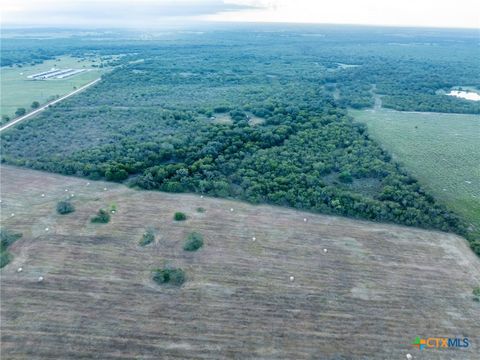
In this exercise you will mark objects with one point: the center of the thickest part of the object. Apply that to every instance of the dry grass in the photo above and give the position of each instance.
(376, 288)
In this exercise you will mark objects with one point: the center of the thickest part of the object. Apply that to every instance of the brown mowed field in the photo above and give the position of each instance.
(376, 288)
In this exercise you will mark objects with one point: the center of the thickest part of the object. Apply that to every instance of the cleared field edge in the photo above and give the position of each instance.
(10, 171)
(20, 91)
(452, 177)
(43, 107)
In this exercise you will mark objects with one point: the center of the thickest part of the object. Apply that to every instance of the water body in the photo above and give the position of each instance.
(468, 95)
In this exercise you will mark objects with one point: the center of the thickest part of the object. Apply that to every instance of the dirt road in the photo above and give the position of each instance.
(40, 109)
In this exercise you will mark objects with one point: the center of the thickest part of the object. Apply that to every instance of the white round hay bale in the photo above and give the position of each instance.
(113, 211)
(325, 251)
(40, 278)
(292, 278)
(105, 189)
(72, 195)
(46, 229)
(409, 357)
(254, 238)
(231, 209)
(19, 269)
(43, 195)
(88, 184)
(201, 196)
(13, 214)
(304, 219)
(66, 190)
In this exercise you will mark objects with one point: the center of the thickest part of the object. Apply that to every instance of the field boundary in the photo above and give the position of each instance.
(40, 109)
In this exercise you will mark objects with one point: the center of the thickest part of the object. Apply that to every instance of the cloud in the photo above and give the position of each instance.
(441, 13)
(158, 13)
(113, 12)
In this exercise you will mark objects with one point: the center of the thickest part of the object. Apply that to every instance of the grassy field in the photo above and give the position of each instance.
(19, 91)
(375, 289)
(441, 150)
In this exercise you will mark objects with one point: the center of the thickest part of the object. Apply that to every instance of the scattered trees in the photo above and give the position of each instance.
(307, 154)
(35, 105)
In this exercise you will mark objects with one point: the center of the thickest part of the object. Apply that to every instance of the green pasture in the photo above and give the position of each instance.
(19, 91)
(440, 150)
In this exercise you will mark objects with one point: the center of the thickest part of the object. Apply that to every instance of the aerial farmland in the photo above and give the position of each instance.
(235, 189)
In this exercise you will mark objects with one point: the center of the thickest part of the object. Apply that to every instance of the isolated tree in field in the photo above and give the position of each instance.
(476, 294)
(65, 207)
(20, 112)
(193, 242)
(35, 105)
(5, 118)
(179, 216)
(169, 276)
(7, 238)
(147, 238)
(102, 217)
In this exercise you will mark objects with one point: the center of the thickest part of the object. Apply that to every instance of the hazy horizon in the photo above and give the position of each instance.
(151, 14)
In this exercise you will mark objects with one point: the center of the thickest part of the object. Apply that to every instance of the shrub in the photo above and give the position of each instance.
(7, 239)
(65, 207)
(200, 210)
(113, 208)
(169, 276)
(193, 242)
(5, 258)
(179, 216)
(20, 111)
(102, 217)
(345, 177)
(35, 105)
(476, 293)
(147, 238)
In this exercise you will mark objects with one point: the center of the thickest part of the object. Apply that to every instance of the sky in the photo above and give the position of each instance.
(160, 13)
